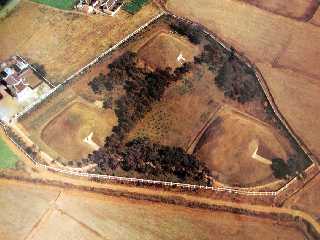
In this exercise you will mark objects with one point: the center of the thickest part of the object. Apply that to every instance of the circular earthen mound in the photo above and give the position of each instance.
(163, 50)
(65, 133)
(227, 147)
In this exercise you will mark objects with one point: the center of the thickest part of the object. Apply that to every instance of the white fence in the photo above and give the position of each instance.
(238, 191)
(52, 91)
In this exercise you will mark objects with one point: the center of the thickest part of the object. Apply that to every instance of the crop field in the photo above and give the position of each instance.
(65, 133)
(95, 216)
(296, 9)
(61, 4)
(307, 199)
(7, 158)
(228, 144)
(64, 41)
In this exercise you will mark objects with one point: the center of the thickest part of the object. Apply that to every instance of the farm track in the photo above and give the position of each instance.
(183, 200)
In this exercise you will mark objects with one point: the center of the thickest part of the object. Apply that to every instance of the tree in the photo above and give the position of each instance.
(280, 168)
(3, 2)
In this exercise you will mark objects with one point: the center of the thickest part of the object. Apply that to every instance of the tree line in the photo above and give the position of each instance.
(142, 88)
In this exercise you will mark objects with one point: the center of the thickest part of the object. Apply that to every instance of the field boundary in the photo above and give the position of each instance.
(291, 186)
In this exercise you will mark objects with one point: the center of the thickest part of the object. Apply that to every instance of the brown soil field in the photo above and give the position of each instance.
(241, 25)
(54, 213)
(228, 143)
(307, 199)
(300, 109)
(64, 41)
(65, 133)
(163, 50)
(316, 18)
(265, 38)
(299, 57)
(298, 9)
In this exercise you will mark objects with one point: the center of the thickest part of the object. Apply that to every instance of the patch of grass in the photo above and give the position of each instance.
(61, 4)
(7, 158)
(134, 5)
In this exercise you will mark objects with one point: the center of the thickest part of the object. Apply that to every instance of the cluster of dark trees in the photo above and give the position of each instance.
(285, 169)
(153, 160)
(142, 88)
(213, 55)
(3, 2)
(238, 81)
(190, 31)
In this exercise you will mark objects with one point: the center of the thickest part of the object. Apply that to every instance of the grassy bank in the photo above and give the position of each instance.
(7, 158)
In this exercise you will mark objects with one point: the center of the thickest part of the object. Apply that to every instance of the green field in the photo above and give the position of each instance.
(7, 158)
(134, 5)
(61, 4)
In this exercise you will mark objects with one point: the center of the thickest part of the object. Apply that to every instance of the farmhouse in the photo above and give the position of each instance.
(12, 76)
(99, 6)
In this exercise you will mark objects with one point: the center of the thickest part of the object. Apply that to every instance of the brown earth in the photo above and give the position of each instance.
(266, 38)
(292, 90)
(228, 143)
(64, 41)
(298, 9)
(316, 18)
(65, 133)
(54, 213)
(307, 199)
(163, 50)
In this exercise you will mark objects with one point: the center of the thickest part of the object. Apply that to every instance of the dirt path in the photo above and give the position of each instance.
(254, 209)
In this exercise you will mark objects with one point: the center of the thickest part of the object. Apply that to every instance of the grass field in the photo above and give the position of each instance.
(61, 4)
(183, 110)
(88, 216)
(226, 147)
(296, 9)
(64, 41)
(7, 158)
(307, 199)
(65, 133)
(163, 50)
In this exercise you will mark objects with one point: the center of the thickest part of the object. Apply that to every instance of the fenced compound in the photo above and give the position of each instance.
(290, 186)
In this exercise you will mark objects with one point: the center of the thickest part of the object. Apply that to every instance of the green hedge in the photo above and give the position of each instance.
(61, 4)
(134, 5)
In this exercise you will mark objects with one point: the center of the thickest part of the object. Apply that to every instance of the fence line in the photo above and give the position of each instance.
(127, 179)
(82, 70)
(154, 182)
(269, 97)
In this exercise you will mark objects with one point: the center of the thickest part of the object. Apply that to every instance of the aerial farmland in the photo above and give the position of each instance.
(159, 119)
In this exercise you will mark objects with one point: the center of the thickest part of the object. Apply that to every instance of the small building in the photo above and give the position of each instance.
(12, 76)
(109, 7)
